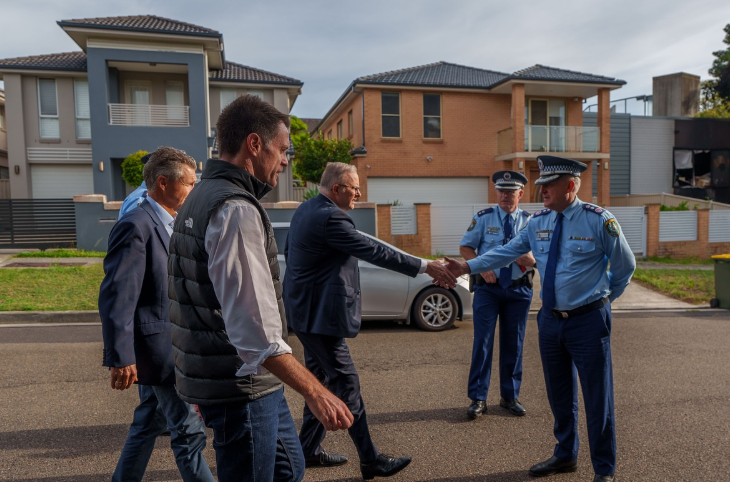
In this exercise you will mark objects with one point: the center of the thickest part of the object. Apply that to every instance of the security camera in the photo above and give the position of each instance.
(429, 158)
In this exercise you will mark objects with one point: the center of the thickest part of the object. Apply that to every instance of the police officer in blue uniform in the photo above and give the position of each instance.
(585, 263)
(504, 294)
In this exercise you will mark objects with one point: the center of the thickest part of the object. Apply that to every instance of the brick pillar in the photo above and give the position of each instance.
(604, 124)
(518, 117)
(652, 230)
(423, 218)
(703, 233)
(362, 173)
(383, 227)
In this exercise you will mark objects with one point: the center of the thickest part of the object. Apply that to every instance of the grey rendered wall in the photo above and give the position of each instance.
(117, 142)
(93, 225)
(620, 162)
(652, 148)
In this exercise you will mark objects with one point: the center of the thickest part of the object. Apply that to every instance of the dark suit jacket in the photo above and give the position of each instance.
(322, 281)
(133, 301)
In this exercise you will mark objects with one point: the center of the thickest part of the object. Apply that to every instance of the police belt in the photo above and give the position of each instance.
(526, 280)
(596, 305)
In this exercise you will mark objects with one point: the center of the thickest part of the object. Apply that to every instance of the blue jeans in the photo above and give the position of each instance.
(255, 440)
(187, 436)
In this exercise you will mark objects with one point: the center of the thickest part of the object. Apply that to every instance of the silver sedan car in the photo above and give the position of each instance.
(387, 295)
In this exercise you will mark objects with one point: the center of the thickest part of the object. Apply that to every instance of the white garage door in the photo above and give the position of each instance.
(438, 191)
(58, 181)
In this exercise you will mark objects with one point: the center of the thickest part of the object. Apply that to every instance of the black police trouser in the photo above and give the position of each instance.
(329, 359)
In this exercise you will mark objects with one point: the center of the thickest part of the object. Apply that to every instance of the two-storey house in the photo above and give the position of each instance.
(435, 133)
(138, 83)
(4, 171)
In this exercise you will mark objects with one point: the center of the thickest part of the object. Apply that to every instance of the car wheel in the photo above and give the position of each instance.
(435, 309)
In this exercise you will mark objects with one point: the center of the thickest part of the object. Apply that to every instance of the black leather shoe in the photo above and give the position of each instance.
(514, 406)
(325, 460)
(384, 466)
(476, 409)
(604, 478)
(553, 465)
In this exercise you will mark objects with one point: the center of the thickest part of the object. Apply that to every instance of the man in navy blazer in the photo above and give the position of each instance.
(322, 300)
(133, 305)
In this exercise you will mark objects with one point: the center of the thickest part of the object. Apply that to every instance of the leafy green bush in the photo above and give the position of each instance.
(132, 168)
(682, 207)
(313, 155)
(310, 193)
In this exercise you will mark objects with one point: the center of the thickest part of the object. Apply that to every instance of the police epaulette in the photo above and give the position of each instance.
(485, 211)
(593, 208)
(526, 214)
(542, 211)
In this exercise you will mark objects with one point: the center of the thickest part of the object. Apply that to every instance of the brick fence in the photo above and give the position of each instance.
(699, 248)
(418, 244)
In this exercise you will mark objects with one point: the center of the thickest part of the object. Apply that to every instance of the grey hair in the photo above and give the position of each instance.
(576, 182)
(334, 173)
(168, 162)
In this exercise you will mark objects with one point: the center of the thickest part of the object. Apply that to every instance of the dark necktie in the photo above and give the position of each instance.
(505, 274)
(548, 284)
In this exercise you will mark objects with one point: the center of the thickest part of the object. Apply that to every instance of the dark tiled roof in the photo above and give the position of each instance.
(74, 61)
(440, 74)
(242, 73)
(542, 72)
(141, 23)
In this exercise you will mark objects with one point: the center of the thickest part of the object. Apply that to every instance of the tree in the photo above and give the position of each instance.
(132, 168)
(715, 97)
(314, 154)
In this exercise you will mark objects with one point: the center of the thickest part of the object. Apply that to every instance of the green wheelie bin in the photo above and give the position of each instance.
(722, 282)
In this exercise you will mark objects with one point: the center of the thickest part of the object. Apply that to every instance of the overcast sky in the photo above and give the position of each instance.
(327, 44)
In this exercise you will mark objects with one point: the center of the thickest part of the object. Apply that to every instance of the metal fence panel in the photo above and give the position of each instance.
(678, 226)
(448, 225)
(633, 224)
(37, 223)
(719, 227)
(403, 220)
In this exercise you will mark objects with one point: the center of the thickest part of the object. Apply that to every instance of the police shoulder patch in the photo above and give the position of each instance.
(542, 212)
(593, 208)
(472, 225)
(612, 227)
(526, 214)
(485, 211)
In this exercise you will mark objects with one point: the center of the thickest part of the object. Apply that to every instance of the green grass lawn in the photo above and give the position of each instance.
(59, 288)
(62, 253)
(656, 259)
(689, 285)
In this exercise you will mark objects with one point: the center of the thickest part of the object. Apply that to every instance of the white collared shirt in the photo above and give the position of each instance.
(239, 270)
(165, 217)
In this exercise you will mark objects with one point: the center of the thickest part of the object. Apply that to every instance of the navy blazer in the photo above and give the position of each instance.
(322, 280)
(133, 301)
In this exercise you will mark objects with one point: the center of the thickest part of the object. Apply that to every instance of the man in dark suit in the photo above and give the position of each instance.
(133, 305)
(322, 300)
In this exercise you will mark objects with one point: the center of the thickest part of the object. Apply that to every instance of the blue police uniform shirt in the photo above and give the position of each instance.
(133, 200)
(589, 239)
(486, 231)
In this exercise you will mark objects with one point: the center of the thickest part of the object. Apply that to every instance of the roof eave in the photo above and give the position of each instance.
(212, 80)
(63, 24)
(349, 90)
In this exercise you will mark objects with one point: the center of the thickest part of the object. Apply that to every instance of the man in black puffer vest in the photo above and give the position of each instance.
(228, 322)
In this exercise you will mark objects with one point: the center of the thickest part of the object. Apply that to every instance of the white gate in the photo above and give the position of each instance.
(633, 224)
(719, 226)
(403, 220)
(677, 226)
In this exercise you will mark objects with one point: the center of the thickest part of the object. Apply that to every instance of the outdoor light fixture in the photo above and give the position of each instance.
(605, 166)
(520, 165)
(429, 158)
(101, 166)
(200, 166)
(17, 169)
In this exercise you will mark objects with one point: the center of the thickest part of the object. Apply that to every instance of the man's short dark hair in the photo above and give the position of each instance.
(168, 162)
(246, 115)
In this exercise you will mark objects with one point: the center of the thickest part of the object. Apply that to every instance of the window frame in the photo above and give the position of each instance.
(76, 107)
(350, 126)
(42, 116)
(399, 115)
(257, 93)
(339, 129)
(329, 134)
(440, 116)
(220, 97)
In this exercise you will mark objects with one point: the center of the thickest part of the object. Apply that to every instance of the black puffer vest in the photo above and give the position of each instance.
(205, 360)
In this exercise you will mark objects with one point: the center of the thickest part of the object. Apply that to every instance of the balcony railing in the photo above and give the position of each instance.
(553, 139)
(149, 115)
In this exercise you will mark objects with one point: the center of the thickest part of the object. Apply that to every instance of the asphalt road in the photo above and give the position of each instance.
(60, 421)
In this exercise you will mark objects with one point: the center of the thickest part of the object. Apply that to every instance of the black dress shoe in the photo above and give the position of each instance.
(476, 409)
(553, 465)
(383, 466)
(324, 460)
(514, 406)
(604, 478)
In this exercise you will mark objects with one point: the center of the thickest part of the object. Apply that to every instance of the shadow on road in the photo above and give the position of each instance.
(66, 442)
(148, 475)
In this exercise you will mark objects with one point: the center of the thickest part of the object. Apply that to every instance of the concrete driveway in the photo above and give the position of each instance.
(59, 420)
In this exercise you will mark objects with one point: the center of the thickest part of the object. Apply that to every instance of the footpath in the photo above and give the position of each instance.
(636, 298)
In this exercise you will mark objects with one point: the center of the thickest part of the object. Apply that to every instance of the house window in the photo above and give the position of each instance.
(432, 116)
(329, 134)
(350, 127)
(2, 118)
(83, 113)
(175, 97)
(48, 109)
(256, 93)
(339, 130)
(227, 96)
(390, 103)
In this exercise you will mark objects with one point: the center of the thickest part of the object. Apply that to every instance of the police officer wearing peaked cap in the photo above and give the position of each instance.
(573, 243)
(503, 294)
